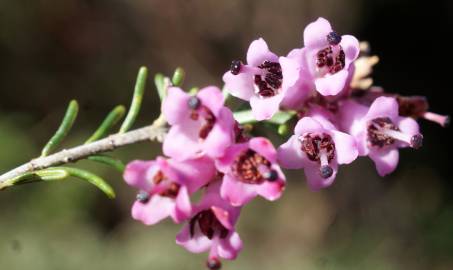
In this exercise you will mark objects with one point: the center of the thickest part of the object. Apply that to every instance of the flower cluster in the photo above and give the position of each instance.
(340, 116)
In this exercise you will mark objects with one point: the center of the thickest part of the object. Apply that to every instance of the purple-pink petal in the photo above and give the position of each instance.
(264, 108)
(236, 192)
(258, 52)
(290, 156)
(155, 210)
(307, 125)
(174, 107)
(383, 107)
(316, 32)
(263, 147)
(212, 98)
(136, 173)
(331, 85)
(345, 147)
(385, 160)
(314, 179)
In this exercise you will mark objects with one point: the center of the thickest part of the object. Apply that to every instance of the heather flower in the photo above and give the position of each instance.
(165, 186)
(318, 148)
(380, 131)
(200, 124)
(250, 169)
(263, 81)
(211, 227)
(328, 57)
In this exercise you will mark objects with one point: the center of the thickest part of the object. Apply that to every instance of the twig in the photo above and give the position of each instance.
(156, 131)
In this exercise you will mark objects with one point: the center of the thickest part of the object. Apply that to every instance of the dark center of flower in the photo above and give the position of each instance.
(252, 168)
(209, 225)
(376, 136)
(197, 111)
(235, 67)
(315, 145)
(330, 61)
(171, 188)
(270, 81)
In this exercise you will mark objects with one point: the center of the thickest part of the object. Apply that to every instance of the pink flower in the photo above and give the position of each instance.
(211, 227)
(318, 148)
(250, 169)
(165, 186)
(200, 124)
(328, 56)
(379, 131)
(263, 81)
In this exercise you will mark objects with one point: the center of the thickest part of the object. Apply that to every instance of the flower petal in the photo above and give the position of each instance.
(174, 107)
(272, 190)
(315, 34)
(331, 85)
(181, 143)
(183, 207)
(289, 154)
(345, 147)
(236, 192)
(212, 98)
(240, 86)
(263, 147)
(350, 46)
(306, 125)
(221, 135)
(264, 108)
(229, 247)
(196, 243)
(314, 179)
(153, 211)
(136, 173)
(258, 52)
(385, 160)
(383, 107)
(223, 164)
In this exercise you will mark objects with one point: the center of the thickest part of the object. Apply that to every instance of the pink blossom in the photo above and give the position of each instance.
(201, 124)
(250, 169)
(165, 186)
(211, 227)
(318, 148)
(264, 80)
(328, 57)
(379, 131)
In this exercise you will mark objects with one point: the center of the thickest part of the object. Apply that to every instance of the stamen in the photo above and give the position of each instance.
(271, 175)
(194, 103)
(235, 67)
(333, 38)
(209, 225)
(326, 171)
(382, 132)
(443, 120)
(143, 196)
(250, 166)
(213, 264)
(269, 79)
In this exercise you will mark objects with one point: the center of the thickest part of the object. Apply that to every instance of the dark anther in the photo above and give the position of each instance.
(417, 141)
(271, 175)
(333, 38)
(193, 103)
(326, 171)
(235, 67)
(143, 196)
(213, 264)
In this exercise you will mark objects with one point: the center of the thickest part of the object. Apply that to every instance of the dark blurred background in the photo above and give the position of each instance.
(52, 51)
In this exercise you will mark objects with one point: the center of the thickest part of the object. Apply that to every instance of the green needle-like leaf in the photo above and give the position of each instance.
(63, 130)
(244, 117)
(115, 163)
(90, 178)
(178, 77)
(159, 81)
(136, 100)
(111, 120)
(50, 174)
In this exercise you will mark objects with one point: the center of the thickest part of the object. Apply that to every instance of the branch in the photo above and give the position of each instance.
(156, 131)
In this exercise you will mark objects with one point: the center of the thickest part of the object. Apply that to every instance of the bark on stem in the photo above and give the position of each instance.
(155, 131)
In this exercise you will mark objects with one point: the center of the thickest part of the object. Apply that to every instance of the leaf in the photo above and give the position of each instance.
(111, 120)
(92, 179)
(115, 163)
(136, 100)
(63, 130)
(178, 77)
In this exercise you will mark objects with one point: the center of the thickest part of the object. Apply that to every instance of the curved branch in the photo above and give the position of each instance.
(156, 131)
